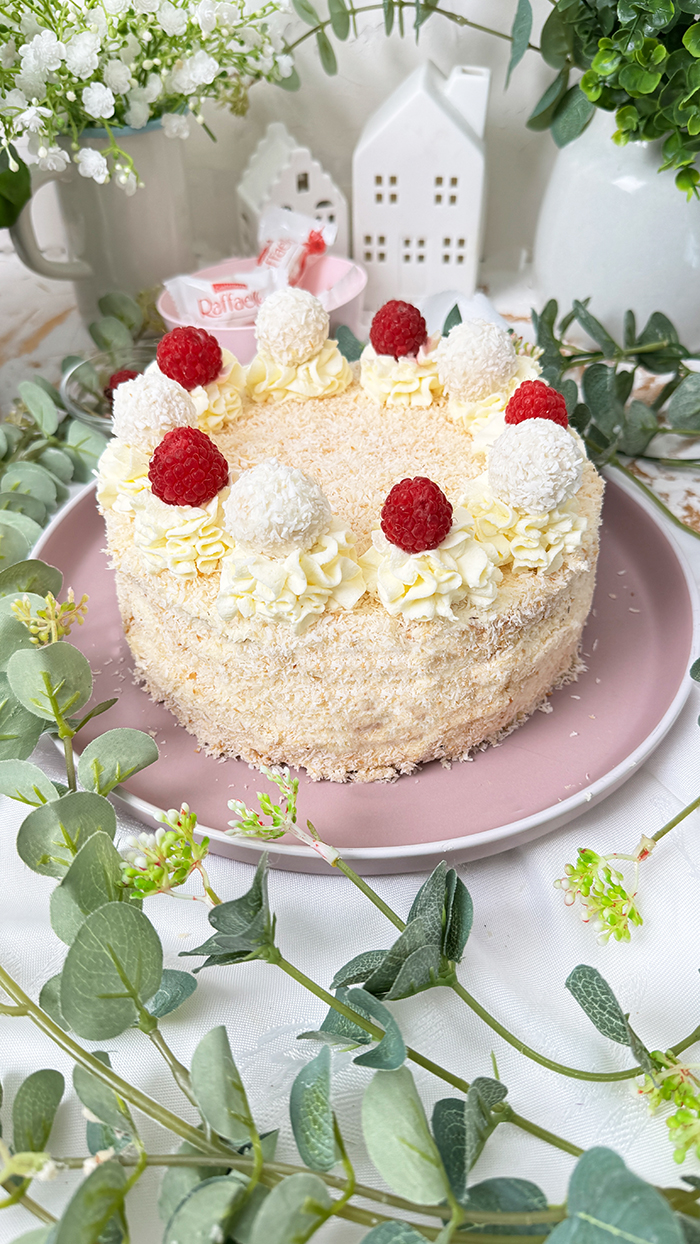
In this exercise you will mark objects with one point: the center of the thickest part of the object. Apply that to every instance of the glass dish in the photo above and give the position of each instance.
(84, 383)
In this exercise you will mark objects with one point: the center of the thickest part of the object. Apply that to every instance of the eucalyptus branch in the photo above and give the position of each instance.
(458, 19)
(181, 1075)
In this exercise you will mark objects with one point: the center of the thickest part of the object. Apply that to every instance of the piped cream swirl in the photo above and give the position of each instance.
(485, 419)
(325, 375)
(297, 589)
(185, 539)
(425, 586)
(523, 541)
(219, 403)
(401, 382)
(122, 476)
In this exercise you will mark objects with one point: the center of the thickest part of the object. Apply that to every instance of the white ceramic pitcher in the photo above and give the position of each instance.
(612, 227)
(115, 241)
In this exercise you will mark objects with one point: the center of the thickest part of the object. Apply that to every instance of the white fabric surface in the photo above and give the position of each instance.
(523, 945)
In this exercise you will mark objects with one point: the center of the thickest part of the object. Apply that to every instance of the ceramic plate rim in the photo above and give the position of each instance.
(535, 825)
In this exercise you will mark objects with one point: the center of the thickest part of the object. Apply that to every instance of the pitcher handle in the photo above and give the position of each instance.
(27, 246)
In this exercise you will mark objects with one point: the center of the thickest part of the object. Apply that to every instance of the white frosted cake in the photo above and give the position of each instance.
(349, 568)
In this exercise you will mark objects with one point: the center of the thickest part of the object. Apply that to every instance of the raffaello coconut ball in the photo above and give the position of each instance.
(291, 326)
(276, 510)
(476, 359)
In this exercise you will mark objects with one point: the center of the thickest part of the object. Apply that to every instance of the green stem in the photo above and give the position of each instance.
(181, 1075)
(542, 1134)
(457, 18)
(678, 522)
(16, 1196)
(369, 893)
(128, 1092)
(684, 1045)
(676, 820)
(70, 764)
(670, 462)
(38, 1210)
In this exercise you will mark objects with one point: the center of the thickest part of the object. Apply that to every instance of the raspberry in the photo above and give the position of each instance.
(398, 329)
(187, 468)
(191, 356)
(416, 515)
(116, 379)
(533, 399)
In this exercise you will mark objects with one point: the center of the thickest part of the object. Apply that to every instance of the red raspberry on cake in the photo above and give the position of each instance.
(187, 468)
(398, 329)
(533, 399)
(416, 515)
(117, 378)
(191, 356)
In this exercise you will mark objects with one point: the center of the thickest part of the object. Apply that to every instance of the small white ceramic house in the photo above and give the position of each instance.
(280, 173)
(418, 186)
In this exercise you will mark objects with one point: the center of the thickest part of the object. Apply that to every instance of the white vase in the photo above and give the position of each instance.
(115, 241)
(612, 227)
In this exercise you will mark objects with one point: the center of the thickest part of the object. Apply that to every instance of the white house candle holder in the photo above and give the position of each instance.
(280, 173)
(418, 186)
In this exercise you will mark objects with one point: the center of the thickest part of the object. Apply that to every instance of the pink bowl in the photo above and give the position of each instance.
(328, 271)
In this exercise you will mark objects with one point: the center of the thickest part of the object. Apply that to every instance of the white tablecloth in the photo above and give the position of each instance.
(523, 945)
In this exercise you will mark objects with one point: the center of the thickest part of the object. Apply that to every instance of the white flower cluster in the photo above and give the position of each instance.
(127, 63)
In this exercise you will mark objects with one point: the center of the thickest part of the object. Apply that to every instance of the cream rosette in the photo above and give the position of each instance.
(297, 589)
(185, 539)
(220, 403)
(122, 477)
(524, 541)
(425, 586)
(485, 418)
(324, 375)
(405, 381)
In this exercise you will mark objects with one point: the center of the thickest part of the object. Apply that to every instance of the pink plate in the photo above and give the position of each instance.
(638, 644)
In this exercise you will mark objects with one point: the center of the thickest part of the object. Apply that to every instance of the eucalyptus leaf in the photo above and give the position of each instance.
(22, 503)
(178, 1182)
(110, 334)
(58, 463)
(12, 435)
(174, 989)
(348, 344)
(450, 1132)
(242, 1229)
(601, 397)
(340, 18)
(606, 1201)
(52, 391)
(40, 406)
(390, 1053)
(19, 730)
(113, 967)
(207, 1212)
(459, 917)
(85, 447)
(14, 547)
(595, 329)
(506, 1196)
(14, 637)
(22, 523)
(34, 1109)
(30, 576)
(51, 681)
(40, 1235)
(285, 1214)
(640, 427)
(219, 1089)
(453, 318)
(326, 53)
(243, 925)
(363, 965)
(312, 1115)
(337, 1030)
(121, 307)
(659, 328)
(571, 116)
(555, 40)
(520, 35)
(393, 1233)
(31, 478)
(683, 410)
(100, 1099)
(398, 1138)
(291, 83)
(50, 837)
(93, 879)
(25, 782)
(306, 12)
(429, 903)
(92, 1205)
(412, 964)
(4, 443)
(50, 1001)
(594, 995)
(114, 757)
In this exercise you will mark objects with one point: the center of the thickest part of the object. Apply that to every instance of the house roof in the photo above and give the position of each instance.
(426, 80)
(272, 154)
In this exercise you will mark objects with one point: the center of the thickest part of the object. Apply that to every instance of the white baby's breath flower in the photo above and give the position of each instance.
(91, 1164)
(130, 50)
(15, 101)
(91, 163)
(117, 76)
(285, 65)
(265, 62)
(98, 100)
(206, 16)
(48, 1172)
(82, 53)
(31, 82)
(175, 124)
(43, 54)
(55, 159)
(128, 182)
(153, 88)
(146, 6)
(115, 7)
(227, 14)
(138, 112)
(70, 96)
(193, 72)
(8, 54)
(250, 37)
(33, 119)
(29, 25)
(96, 19)
(171, 19)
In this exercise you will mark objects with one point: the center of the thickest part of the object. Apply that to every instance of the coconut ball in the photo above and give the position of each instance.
(276, 509)
(146, 408)
(535, 466)
(291, 326)
(476, 359)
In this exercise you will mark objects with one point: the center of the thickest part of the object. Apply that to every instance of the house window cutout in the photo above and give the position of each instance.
(393, 198)
(381, 241)
(460, 259)
(453, 200)
(438, 181)
(368, 239)
(379, 198)
(378, 179)
(381, 256)
(368, 256)
(453, 181)
(446, 258)
(460, 243)
(438, 198)
(447, 241)
(393, 181)
(302, 182)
